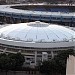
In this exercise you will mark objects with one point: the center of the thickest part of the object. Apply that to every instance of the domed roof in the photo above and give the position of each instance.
(36, 32)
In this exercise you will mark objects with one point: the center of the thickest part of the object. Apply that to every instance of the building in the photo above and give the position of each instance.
(36, 40)
(58, 15)
(70, 66)
(14, 1)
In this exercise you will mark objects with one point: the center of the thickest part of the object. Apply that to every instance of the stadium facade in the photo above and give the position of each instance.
(65, 15)
(37, 41)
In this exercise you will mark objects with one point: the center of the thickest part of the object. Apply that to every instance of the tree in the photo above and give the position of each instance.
(61, 59)
(11, 62)
(4, 62)
(18, 60)
(57, 65)
(48, 68)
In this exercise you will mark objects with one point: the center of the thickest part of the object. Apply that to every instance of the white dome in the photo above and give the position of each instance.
(36, 32)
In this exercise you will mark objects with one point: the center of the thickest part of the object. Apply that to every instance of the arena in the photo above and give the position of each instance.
(37, 30)
(21, 13)
(37, 41)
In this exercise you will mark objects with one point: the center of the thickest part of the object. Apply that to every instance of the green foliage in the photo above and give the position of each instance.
(18, 59)
(11, 61)
(48, 68)
(61, 58)
(57, 65)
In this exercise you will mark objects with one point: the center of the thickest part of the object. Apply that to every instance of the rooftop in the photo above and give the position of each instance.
(36, 32)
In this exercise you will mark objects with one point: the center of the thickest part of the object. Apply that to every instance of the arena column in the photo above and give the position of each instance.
(5, 50)
(52, 54)
(35, 57)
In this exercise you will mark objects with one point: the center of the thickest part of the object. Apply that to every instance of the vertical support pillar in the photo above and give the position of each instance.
(52, 54)
(5, 50)
(35, 57)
